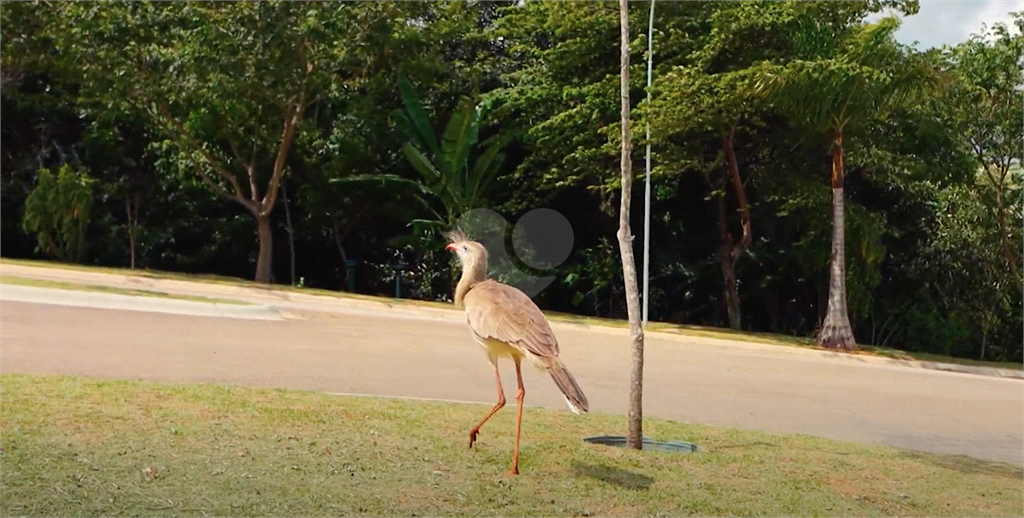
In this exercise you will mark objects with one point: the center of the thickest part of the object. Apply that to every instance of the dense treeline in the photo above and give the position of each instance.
(323, 144)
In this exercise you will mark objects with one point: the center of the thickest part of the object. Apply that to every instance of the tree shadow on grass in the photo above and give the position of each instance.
(618, 477)
(965, 464)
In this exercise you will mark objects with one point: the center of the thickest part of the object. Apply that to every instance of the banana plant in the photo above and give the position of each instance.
(447, 172)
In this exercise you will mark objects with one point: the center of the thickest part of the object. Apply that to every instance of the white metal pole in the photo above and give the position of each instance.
(647, 184)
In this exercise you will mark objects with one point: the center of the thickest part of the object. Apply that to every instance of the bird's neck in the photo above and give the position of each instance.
(471, 275)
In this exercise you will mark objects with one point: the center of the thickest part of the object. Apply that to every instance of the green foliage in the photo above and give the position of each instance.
(58, 210)
(804, 202)
(967, 272)
(445, 167)
(982, 105)
(568, 107)
(231, 82)
(165, 103)
(838, 78)
(597, 278)
(983, 100)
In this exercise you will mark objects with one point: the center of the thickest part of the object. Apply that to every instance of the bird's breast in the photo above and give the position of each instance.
(496, 348)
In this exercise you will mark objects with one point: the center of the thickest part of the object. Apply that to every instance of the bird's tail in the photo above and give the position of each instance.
(567, 384)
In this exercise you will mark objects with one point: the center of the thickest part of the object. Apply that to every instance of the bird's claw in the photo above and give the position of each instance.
(472, 437)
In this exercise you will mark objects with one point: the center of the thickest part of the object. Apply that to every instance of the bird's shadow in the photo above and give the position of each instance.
(618, 477)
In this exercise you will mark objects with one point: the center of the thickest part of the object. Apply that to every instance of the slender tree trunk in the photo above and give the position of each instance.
(634, 439)
(999, 214)
(291, 231)
(339, 239)
(731, 250)
(133, 228)
(266, 238)
(725, 256)
(836, 331)
(984, 342)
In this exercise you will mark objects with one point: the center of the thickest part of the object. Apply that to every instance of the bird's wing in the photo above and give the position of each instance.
(504, 313)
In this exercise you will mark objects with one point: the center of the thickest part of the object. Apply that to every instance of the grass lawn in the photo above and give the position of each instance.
(41, 283)
(690, 330)
(85, 447)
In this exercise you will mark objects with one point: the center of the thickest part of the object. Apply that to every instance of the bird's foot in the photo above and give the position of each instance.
(472, 436)
(513, 471)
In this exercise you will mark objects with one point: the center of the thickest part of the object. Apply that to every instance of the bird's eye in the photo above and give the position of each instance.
(465, 247)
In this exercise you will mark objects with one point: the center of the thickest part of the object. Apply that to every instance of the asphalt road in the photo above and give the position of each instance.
(398, 353)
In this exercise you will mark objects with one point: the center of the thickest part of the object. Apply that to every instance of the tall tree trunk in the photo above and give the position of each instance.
(731, 250)
(291, 230)
(634, 438)
(984, 342)
(836, 331)
(266, 238)
(725, 256)
(259, 207)
(132, 212)
(339, 239)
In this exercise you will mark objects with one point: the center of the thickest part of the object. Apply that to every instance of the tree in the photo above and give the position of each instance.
(566, 106)
(227, 83)
(701, 108)
(839, 81)
(984, 104)
(965, 261)
(634, 439)
(58, 211)
(694, 103)
(352, 135)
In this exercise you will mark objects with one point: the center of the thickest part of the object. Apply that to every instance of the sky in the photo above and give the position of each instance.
(948, 22)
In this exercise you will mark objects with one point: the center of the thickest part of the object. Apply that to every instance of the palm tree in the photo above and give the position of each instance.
(693, 101)
(834, 83)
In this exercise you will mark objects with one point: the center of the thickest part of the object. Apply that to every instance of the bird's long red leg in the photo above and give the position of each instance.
(497, 406)
(520, 395)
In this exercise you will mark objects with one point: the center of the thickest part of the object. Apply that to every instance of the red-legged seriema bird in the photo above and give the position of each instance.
(506, 322)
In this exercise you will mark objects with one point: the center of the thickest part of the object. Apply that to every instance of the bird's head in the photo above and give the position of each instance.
(470, 253)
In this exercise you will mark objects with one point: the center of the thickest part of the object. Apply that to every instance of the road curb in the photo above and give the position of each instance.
(971, 369)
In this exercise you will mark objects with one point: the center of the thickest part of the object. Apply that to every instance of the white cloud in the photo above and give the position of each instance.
(949, 22)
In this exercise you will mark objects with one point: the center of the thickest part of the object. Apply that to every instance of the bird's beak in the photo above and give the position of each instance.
(450, 246)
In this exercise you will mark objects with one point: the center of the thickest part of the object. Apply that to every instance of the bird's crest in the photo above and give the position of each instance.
(456, 236)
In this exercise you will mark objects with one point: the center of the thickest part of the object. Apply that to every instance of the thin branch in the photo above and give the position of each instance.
(741, 193)
(234, 149)
(999, 214)
(254, 142)
(183, 134)
(250, 168)
(312, 102)
(292, 117)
